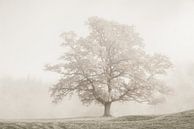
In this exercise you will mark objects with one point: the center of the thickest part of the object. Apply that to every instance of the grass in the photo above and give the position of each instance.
(182, 120)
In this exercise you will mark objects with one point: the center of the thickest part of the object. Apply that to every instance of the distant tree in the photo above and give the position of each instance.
(108, 65)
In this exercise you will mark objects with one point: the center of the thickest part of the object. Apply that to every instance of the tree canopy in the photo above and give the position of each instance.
(108, 65)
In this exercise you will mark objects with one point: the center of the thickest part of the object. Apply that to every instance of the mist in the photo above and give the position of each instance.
(30, 38)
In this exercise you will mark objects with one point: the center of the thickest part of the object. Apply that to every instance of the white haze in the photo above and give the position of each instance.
(29, 39)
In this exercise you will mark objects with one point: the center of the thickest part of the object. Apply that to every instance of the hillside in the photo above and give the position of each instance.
(182, 120)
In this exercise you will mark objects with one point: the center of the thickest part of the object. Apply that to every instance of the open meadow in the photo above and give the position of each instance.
(182, 120)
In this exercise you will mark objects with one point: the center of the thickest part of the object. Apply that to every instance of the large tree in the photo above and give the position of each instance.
(108, 65)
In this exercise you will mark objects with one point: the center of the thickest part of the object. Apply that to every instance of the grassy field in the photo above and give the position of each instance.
(182, 120)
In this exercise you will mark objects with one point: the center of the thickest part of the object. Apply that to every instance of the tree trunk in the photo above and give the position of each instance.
(107, 106)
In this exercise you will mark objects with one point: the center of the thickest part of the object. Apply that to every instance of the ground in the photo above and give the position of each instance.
(182, 120)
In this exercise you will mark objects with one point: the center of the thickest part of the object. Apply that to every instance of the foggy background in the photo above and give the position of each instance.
(29, 39)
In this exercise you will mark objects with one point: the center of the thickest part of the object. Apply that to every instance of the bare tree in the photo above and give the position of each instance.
(108, 65)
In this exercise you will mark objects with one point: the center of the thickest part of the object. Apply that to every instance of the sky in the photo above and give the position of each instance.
(30, 38)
